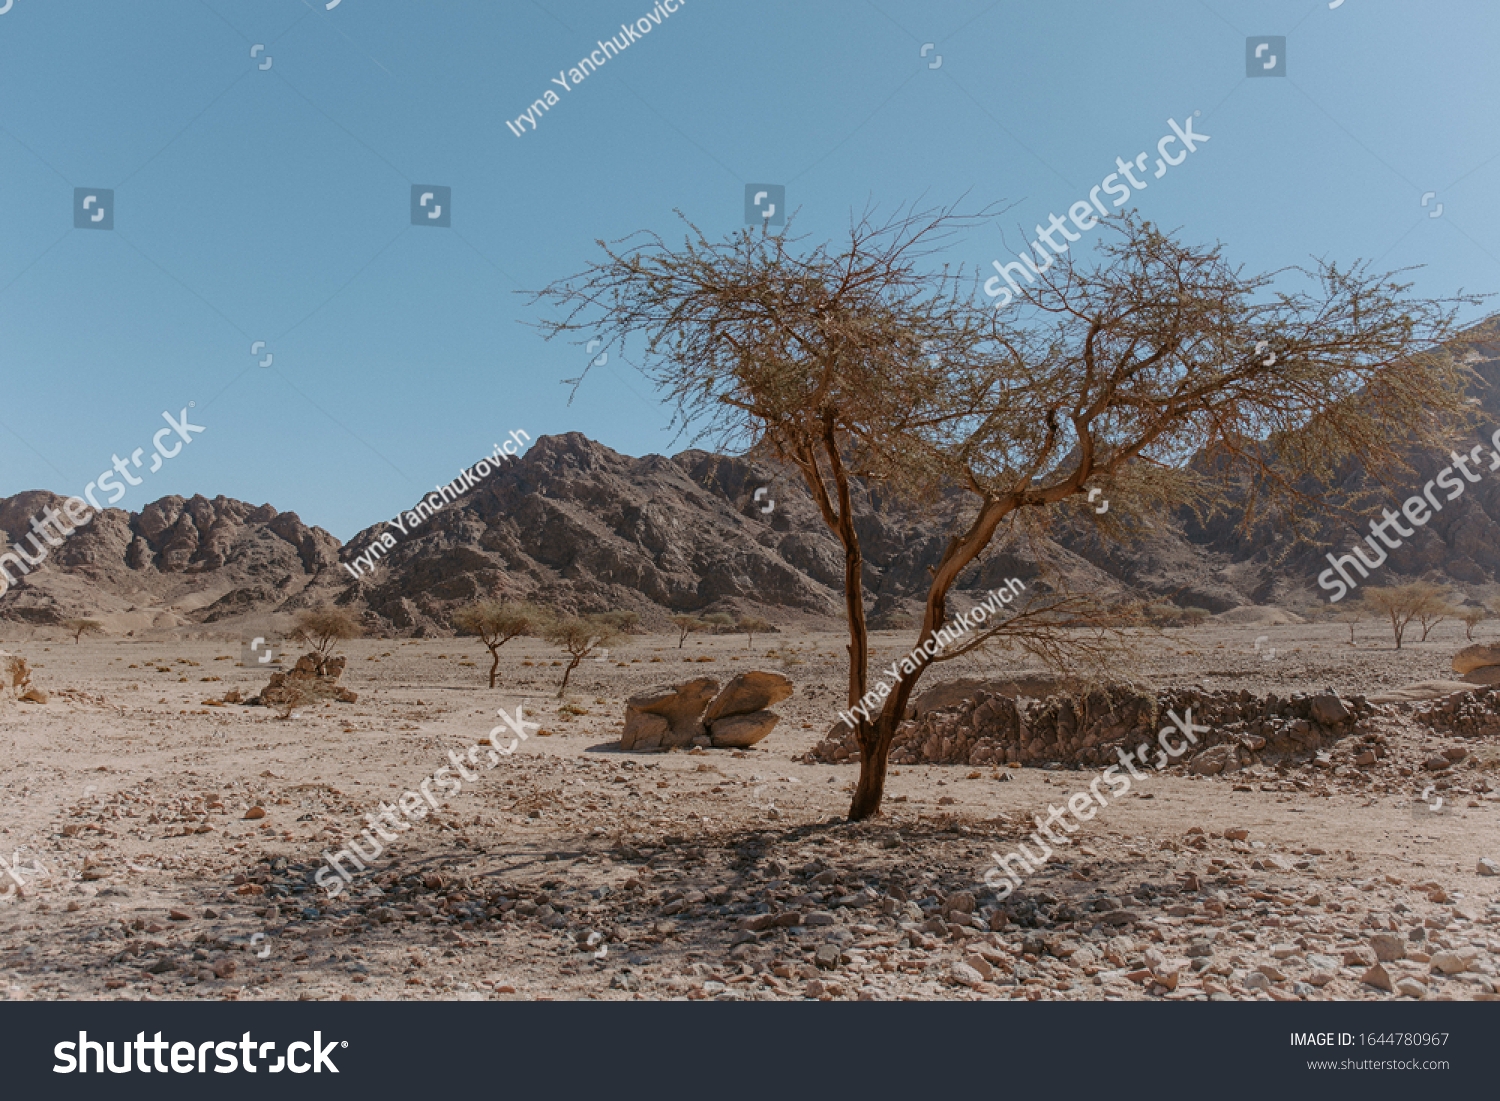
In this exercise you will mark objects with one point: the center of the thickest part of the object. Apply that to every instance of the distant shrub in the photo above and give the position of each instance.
(753, 626)
(1164, 615)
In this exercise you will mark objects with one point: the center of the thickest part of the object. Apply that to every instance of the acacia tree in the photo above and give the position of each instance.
(579, 636)
(866, 368)
(719, 621)
(1351, 615)
(1419, 600)
(496, 623)
(323, 628)
(1473, 617)
(1434, 612)
(686, 625)
(752, 625)
(80, 627)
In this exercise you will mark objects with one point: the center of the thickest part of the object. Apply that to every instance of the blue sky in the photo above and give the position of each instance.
(273, 204)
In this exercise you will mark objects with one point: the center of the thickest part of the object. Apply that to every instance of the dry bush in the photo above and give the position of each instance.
(323, 628)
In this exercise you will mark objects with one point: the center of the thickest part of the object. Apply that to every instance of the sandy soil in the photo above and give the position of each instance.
(571, 870)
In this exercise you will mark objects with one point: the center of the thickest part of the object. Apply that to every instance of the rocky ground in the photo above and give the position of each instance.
(166, 846)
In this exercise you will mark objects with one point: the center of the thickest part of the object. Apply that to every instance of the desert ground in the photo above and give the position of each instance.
(166, 847)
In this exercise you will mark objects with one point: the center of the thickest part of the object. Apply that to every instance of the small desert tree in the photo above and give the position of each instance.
(719, 621)
(578, 636)
(686, 625)
(1473, 617)
(1434, 613)
(1401, 604)
(752, 626)
(1352, 615)
(869, 367)
(323, 628)
(496, 622)
(80, 627)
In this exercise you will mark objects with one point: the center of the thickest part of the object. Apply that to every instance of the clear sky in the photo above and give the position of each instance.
(272, 202)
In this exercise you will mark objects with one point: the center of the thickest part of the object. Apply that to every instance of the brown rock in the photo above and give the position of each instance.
(314, 678)
(255, 812)
(1477, 656)
(645, 732)
(680, 705)
(1379, 978)
(747, 693)
(739, 731)
(1328, 709)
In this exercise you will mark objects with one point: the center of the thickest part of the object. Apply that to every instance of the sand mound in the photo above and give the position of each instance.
(1250, 615)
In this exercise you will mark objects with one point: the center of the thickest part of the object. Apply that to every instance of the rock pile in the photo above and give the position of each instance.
(1085, 730)
(1478, 664)
(15, 678)
(315, 678)
(682, 714)
(1467, 716)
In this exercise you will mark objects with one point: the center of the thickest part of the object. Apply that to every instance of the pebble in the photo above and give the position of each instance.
(964, 974)
(1450, 963)
(980, 965)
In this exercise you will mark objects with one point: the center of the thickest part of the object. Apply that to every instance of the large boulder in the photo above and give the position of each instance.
(740, 731)
(667, 717)
(746, 693)
(682, 714)
(1477, 656)
(738, 717)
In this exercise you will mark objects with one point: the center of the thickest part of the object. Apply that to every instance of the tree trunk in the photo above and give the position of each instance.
(566, 674)
(494, 664)
(870, 790)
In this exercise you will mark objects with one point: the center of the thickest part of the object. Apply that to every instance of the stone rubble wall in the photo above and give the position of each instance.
(1472, 715)
(1085, 730)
